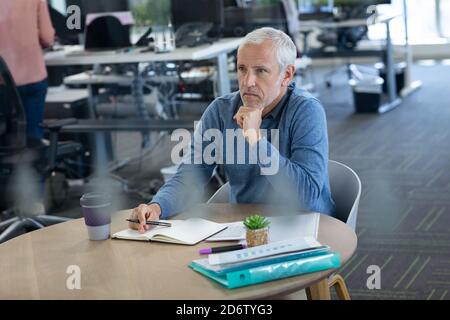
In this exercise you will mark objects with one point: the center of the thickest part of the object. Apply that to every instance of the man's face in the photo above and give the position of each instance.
(260, 80)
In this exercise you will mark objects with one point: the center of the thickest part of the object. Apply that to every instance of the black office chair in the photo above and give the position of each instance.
(342, 41)
(107, 33)
(23, 163)
(303, 61)
(345, 41)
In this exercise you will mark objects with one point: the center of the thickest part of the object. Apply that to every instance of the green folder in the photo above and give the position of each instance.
(274, 271)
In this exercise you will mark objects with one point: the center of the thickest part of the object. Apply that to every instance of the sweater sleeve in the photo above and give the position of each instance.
(186, 187)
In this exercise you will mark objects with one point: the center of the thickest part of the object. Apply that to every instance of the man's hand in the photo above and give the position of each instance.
(143, 213)
(249, 119)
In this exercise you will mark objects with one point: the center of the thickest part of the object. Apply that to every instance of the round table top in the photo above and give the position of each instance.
(37, 265)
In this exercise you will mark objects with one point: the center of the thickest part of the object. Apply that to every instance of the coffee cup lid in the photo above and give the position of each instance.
(95, 199)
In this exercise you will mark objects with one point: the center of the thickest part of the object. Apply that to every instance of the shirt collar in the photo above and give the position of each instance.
(276, 112)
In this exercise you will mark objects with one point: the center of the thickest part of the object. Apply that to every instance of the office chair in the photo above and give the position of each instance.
(222, 195)
(346, 191)
(344, 40)
(303, 61)
(107, 33)
(15, 149)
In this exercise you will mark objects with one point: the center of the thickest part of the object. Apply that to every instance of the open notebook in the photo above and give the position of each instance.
(189, 232)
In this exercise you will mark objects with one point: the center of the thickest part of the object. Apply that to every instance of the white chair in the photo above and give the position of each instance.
(345, 188)
(346, 191)
(221, 195)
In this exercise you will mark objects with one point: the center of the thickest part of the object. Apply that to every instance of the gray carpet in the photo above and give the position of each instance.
(403, 160)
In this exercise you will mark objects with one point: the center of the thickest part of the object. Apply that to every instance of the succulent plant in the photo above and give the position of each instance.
(255, 222)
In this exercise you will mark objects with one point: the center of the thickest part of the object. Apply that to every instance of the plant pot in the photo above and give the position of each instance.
(257, 237)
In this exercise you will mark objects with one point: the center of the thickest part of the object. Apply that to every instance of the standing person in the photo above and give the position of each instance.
(25, 29)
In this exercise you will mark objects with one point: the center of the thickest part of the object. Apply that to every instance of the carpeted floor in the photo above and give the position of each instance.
(403, 160)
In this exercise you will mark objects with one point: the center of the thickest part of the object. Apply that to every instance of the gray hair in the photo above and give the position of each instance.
(285, 49)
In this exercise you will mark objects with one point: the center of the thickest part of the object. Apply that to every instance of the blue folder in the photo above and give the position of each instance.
(272, 271)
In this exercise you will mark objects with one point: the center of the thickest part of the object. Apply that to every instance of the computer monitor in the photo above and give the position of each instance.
(108, 31)
(184, 11)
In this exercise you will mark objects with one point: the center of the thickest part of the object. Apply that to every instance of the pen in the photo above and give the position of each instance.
(221, 249)
(156, 223)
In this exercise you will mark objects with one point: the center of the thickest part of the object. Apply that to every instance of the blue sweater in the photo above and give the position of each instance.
(288, 167)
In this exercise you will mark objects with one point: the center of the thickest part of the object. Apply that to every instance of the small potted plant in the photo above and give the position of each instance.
(257, 230)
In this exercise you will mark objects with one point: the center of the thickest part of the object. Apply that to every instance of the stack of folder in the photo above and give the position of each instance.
(267, 262)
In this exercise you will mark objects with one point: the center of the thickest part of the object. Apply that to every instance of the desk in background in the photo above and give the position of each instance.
(386, 52)
(74, 55)
(34, 265)
(60, 101)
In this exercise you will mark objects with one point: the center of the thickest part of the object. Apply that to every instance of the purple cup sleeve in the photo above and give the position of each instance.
(100, 216)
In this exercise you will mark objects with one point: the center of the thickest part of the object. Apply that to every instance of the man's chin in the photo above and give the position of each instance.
(253, 103)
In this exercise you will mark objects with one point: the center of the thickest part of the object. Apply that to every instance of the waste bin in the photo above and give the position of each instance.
(400, 69)
(367, 93)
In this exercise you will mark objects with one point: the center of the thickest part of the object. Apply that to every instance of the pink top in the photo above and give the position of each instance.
(25, 28)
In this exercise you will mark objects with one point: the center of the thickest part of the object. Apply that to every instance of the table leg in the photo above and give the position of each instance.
(393, 100)
(319, 291)
(137, 91)
(91, 102)
(410, 86)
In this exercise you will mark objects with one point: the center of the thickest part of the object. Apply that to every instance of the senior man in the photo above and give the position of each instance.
(271, 114)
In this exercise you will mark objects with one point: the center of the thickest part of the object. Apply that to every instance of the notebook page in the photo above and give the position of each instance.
(131, 234)
(234, 231)
(191, 231)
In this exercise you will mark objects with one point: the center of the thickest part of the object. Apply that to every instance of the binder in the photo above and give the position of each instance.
(272, 271)
(263, 251)
(228, 267)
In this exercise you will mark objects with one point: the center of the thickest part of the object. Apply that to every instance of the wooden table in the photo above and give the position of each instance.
(35, 265)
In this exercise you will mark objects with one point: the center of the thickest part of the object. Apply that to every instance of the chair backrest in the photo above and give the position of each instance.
(12, 114)
(289, 9)
(291, 16)
(222, 195)
(345, 189)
